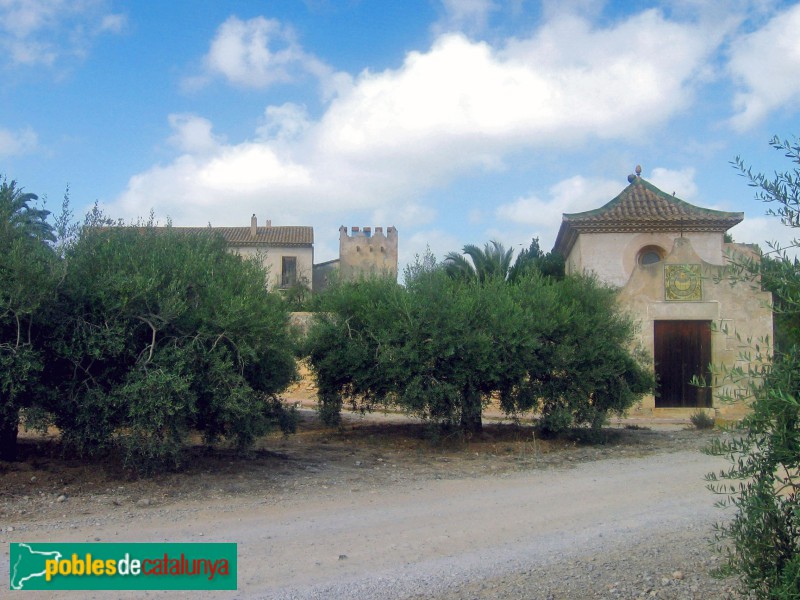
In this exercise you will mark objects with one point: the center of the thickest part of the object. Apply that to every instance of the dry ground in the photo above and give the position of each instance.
(380, 508)
(372, 451)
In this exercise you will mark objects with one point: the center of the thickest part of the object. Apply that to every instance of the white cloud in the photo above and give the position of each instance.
(471, 15)
(763, 229)
(25, 17)
(438, 241)
(192, 134)
(575, 194)
(40, 32)
(14, 143)
(284, 123)
(241, 52)
(459, 107)
(616, 80)
(261, 52)
(113, 23)
(464, 104)
(251, 168)
(678, 182)
(408, 215)
(766, 63)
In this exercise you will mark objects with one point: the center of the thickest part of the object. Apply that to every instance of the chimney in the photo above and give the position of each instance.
(269, 223)
(253, 225)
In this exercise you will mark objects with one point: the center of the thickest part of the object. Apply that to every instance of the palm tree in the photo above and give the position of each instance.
(15, 210)
(493, 261)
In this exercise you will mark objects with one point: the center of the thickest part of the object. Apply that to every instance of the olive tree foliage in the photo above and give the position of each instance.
(157, 334)
(761, 542)
(443, 347)
(26, 291)
(586, 366)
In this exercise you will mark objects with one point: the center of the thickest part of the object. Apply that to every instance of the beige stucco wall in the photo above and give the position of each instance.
(271, 258)
(612, 256)
(737, 309)
(367, 251)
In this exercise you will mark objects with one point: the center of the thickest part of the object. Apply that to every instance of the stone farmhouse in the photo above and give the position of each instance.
(288, 252)
(666, 256)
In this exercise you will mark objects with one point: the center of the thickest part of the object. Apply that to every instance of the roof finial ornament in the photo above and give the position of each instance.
(632, 177)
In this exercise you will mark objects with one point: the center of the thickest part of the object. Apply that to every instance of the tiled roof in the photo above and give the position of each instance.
(643, 207)
(265, 236)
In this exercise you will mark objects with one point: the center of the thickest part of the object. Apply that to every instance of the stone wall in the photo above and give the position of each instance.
(365, 251)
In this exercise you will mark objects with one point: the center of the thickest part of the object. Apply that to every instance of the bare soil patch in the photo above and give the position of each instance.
(370, 451)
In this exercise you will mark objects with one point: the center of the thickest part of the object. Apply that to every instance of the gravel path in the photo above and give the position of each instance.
(634, 527)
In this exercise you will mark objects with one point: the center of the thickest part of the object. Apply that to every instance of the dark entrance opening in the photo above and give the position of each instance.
(682, 350)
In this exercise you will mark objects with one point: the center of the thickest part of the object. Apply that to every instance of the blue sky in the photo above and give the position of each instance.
(457, 121)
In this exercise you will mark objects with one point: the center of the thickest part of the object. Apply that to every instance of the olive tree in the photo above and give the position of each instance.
(158, 334)
(443, 347)
(430, 348)
(761, 542)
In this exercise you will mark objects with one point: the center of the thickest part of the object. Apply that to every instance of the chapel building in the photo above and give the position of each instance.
(668, 258)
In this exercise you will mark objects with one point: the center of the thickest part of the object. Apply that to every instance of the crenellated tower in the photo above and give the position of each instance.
(365, 251)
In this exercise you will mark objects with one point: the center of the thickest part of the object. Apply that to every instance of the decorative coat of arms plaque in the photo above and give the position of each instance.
(683, 283)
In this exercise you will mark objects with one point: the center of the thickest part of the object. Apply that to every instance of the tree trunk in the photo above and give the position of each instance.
(9, 428)
(471, 411)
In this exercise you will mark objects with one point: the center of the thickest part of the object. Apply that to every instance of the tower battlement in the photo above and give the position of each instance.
(364, 250)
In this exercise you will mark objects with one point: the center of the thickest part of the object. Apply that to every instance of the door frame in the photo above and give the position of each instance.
(681, 350)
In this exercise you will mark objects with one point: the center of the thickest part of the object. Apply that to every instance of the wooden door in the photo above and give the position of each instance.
(682, 350)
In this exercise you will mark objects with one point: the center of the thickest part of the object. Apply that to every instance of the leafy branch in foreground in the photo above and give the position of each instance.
(761, 542)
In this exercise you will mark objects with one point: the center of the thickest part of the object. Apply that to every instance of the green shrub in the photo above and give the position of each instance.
(702, 420)
(443, 347)
(158, 334)
(556, 420)
(582, 364)
(27, 284)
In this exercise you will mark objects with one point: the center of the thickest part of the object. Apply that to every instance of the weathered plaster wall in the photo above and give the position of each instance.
(271, 259)
(731, 309)
(612, 256)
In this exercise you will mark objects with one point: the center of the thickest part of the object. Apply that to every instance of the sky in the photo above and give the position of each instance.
(456, 121)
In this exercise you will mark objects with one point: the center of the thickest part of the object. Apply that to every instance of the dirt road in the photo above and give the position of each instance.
(630, 527)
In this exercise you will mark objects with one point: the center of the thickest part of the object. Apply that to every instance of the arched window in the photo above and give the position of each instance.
(650, 255)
